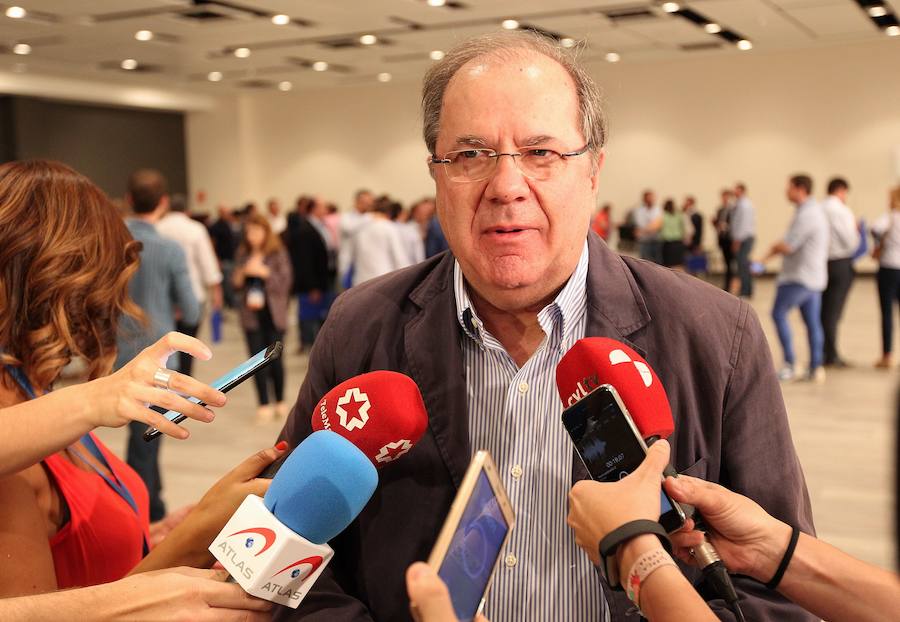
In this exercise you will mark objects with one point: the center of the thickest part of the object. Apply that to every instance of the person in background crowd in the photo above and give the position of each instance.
(803, 277)
(263, 275)
(647, 222)
(886, 231)
(844, 238)
(161, 287)
(312, 279)
(363, 202)
(695, 243)
(435, 240)
(225, 240)
(672, 234)
(409, 233)
(202, 265)
(600, 223)
(377, 247)
(743, 235)
(722, 223)
(277, 219)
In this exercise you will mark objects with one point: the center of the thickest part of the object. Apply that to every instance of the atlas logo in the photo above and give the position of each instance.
(392, 451)
(267, 534)
(353, 409)
(302, 568)
(585, 386)
(617, 357)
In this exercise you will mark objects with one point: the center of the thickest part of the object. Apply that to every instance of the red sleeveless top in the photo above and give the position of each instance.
(104, 537)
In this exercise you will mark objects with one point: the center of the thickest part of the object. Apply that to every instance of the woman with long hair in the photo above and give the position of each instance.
(264, 276)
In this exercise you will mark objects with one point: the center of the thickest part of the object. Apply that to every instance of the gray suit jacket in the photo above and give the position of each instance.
(706, 346)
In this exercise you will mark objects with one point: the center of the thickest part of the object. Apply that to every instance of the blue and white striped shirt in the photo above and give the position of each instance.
(516, 415)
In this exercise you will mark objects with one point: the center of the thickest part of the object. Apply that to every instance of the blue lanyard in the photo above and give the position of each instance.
(88, 441)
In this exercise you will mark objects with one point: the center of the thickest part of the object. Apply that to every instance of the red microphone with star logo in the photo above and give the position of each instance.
(381, 412)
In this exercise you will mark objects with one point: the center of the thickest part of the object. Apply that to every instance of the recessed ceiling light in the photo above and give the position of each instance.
(436, 54)
(892, 31)
(242, 52)
(285, 86)
(21, 49)
(143, 35)
(214, 76)
(567, 42)
(320, 65)
(509, 24)
(744, 45)
(437, 2)
(877, 11)
(384, 77)
(128, 64)
(613, 57)
(712, 28)
(671, 7)
(368, 39)
(16, 12)
(281, 19)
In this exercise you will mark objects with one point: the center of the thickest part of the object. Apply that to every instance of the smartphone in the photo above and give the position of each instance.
(610, 445)
(224, 384)
(473, 536)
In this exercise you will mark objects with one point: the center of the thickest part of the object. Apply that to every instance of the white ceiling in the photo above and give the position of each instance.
(90, 38)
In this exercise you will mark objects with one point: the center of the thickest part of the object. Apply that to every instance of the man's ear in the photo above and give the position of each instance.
(430, 166)
(596, 166)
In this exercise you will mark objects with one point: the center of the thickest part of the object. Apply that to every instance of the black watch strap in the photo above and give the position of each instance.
(610, 544)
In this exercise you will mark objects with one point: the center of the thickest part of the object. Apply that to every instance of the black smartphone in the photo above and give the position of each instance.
(224, 384)
(610, 445)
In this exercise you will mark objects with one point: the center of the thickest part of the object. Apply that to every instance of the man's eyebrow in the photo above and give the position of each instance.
(539, 139)
(471, 140)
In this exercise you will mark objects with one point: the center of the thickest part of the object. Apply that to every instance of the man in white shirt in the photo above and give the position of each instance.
(743, 235)
(277, 219)
(648, 221)
(203, 266)
(377, 246)
(842, 244)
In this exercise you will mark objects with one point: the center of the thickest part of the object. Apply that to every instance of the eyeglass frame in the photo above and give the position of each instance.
(433, 159)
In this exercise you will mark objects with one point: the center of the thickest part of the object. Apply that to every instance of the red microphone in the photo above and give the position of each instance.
(381, 412)
(594, 361)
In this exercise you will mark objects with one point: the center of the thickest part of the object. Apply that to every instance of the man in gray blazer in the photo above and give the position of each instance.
(516, 135)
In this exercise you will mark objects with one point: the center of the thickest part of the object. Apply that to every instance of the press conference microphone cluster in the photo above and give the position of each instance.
(595, 361)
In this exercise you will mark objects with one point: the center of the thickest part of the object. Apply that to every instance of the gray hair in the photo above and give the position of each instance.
(592, 115)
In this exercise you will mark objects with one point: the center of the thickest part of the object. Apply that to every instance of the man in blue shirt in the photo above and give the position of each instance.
(161, 288)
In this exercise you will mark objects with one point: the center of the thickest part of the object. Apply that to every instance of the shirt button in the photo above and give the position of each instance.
(523, 387)
(516, 472)
(510, 560)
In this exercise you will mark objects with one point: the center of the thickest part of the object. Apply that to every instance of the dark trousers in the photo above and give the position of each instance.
(143, 457)
(840, 278)
(888, 293)
(743, 266)
(261, 338)
(651, 250)
(184, 361)
(728, 258)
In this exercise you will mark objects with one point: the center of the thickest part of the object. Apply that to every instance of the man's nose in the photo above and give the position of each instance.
(507, 184)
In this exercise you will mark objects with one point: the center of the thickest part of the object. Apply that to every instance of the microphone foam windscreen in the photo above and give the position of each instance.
(381, 412)
(322, 486)
(594, 361)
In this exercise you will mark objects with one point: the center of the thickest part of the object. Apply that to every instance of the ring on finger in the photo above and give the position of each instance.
(161, 378)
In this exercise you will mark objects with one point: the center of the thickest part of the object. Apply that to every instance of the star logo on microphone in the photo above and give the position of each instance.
(353, 409)
(392, 451)
(617, 357)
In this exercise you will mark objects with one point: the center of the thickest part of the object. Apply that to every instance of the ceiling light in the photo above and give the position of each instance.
(744, 45)
(285, 86)
(320, 65)
(613, 57)
(567, 42)
(281, 19)
(128, 64)
(436, 54)
(384, 77)
(509, 24)
(892, 31)
(21, 49)
(242, 52)
(143, 35)
(15, 12)
(712, 28)
(368, 39)
(671, 7)
(214, 76)
(877, 11)
(437, 2)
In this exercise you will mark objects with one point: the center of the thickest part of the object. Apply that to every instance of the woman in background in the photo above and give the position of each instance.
(886, 231)
(672, 233)
(263, 274)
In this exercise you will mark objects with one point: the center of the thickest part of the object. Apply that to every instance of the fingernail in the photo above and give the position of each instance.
(281, 445)
(221, 398)
(210, 415)
(419, 570)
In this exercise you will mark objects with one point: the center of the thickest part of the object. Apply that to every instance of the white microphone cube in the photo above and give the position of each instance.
(266, 558)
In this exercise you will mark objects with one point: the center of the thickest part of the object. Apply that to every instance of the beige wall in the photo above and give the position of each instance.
(689, 126)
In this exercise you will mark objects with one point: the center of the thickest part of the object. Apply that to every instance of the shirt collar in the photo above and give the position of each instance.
(566, 309)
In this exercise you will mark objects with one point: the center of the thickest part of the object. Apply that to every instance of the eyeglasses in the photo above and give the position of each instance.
(478, 164)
